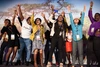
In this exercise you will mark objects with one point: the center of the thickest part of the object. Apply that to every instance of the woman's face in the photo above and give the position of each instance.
(6, 23)
(97, 17)
(38, 22)
(60, 18)
(76, 20)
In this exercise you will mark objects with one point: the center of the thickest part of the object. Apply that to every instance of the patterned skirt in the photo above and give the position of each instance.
(37, 44)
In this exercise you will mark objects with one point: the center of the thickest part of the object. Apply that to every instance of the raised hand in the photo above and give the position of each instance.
(18, 5)
(91, 4)
(69, 8)
(32, 12)
(20, 12)
(52, 7)
(15, 12)
(43, 15)
(63, 13)
(84, 8)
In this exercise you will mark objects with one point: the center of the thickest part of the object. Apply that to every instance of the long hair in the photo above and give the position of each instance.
(9, 22)
(28, 18)
(79, 23)
(37, 19)
(63, 21)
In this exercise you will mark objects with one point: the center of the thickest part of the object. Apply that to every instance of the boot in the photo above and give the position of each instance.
(18, 62)
(35, 62)
(6, 64)
(41, 59)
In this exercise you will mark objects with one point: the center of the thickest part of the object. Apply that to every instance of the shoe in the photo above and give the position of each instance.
(0, 63)
(27, 63)
(35, 65)
(57, 64)
(18, 62)
(6, 64)
(48, 65)
(61, 65)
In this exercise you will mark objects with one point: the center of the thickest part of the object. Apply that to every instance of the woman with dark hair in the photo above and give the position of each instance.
(4, 44)
(38, 38)
(69, 44)
(77, 42)
(12, 36)
(58, 39)
(94, 33)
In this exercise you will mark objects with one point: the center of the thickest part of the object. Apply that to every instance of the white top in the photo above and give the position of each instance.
(25, 29)
(46, 27)
(69, 36)
(52, 21)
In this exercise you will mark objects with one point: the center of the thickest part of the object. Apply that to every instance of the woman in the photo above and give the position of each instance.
(58, 39)
(95, 32)
(4, 44)
(69, 43)
(38, 38)
(77, 42)
(13, 42)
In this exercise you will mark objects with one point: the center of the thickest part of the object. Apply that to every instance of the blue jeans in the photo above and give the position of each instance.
(24, 42)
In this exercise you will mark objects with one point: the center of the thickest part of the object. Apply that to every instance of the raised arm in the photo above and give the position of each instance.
(90, 12)
(20, 12)
(63, 15)
(70, 15)
(45, 24)
(19, 20)
(43, 15)
(13, 20)
(52, 7)
(51, 17)
(83, 15)
(32, 20)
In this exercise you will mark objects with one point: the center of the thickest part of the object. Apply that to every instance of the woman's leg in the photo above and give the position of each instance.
(74, 51)
(41, 57)
(35, 57)
(68, 56)
(80, 50)
(8, 54)
(60, 48)
(97, 49)
(14, 53)
(53, 44)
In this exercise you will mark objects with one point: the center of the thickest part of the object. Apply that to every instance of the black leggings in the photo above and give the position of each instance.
(90, 51)
(56, 42)
(97, 49)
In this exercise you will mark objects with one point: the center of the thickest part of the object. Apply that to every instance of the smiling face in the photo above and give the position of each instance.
(38, 21)
(60, 18)
(7, 22)
(76, 20)
(97, 17)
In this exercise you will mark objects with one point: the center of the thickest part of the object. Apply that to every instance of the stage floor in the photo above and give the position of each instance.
(39, 66)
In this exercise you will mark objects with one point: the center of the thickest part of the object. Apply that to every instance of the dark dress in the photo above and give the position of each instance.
(12, 32)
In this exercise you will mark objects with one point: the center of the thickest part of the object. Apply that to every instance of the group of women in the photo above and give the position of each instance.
(36, 37)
